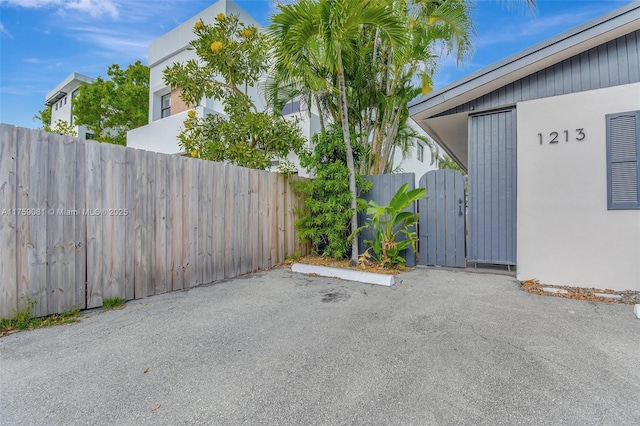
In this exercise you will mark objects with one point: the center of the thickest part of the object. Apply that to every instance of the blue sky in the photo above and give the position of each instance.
(43, 41)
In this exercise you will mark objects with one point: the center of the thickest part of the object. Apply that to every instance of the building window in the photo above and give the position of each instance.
(165, 105)
(420, 152)
(291, 108)
(623, 161)
(65, 100)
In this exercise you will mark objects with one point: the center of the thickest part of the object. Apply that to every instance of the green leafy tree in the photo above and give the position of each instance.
(44, 117)
(111, 107)
(327, 215)
(435, 28)
(446, 162)
(398, 75)
(232, 58)
(327, 28)
(61, 127)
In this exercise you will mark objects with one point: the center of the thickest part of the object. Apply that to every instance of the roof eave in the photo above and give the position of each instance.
(528, 58)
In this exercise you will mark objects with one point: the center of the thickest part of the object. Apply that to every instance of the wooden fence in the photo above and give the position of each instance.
(81, 221)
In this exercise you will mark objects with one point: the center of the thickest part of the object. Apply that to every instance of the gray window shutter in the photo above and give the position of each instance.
(623, 160)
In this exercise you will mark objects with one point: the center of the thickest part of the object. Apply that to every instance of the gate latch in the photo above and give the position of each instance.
(460, 207)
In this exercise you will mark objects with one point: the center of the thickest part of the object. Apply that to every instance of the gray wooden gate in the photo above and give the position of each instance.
(384, 187)
(442, 219)
(492, 187)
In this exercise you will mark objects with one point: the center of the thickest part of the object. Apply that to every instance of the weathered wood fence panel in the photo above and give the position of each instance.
(83, 221)
(8, 223)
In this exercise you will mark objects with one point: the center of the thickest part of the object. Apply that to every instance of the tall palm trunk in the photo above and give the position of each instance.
(350, 163)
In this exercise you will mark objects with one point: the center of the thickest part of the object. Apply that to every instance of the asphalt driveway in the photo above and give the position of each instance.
(277, 348)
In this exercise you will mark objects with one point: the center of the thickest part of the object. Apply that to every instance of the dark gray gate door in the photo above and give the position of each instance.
(384, 188)
(492, 188)
(442, 219)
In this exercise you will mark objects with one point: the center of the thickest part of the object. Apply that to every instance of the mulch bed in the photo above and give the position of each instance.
(579, 293)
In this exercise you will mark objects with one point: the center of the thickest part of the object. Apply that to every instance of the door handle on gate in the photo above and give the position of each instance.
(460, 207)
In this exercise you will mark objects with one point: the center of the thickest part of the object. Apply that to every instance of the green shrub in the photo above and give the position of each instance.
(325, 221)
(390, 221)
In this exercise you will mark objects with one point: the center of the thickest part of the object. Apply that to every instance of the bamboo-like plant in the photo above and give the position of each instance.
(391, 221)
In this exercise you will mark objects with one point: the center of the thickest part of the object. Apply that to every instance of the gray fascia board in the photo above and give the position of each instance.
(571, 38)
(168, 55)
(66, 84)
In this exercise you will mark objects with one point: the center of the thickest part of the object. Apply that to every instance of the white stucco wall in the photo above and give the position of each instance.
(172, 47)
(411, 164)
(566, 235)
(162, 135)
(61, 109)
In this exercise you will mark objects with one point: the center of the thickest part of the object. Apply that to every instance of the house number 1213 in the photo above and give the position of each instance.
(554, 137)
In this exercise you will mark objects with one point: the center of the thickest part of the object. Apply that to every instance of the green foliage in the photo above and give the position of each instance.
(390, 221)
(369, 59)
(326, 221)
(232, 57)
(446, 162)
(251, 139)
(63, 128)
(112, 303)
(286, 167)
(110, 108)
(315, 35)
(60, 127)
(22, 320)
(44, 117)
(293, 257)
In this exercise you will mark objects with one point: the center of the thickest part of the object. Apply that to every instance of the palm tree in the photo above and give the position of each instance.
(281, 88)
(331, 25)
(401, 75)
(433, 28)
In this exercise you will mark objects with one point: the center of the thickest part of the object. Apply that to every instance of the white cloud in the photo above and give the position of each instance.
(4, 32)
(95, 8)
(126, 44)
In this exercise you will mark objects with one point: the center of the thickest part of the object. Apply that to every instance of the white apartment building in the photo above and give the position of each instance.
(59, 99)
(167, 112)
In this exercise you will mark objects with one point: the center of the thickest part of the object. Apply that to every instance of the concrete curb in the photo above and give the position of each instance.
(345, 274)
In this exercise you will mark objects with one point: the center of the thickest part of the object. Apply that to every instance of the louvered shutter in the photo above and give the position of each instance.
(623, 160)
